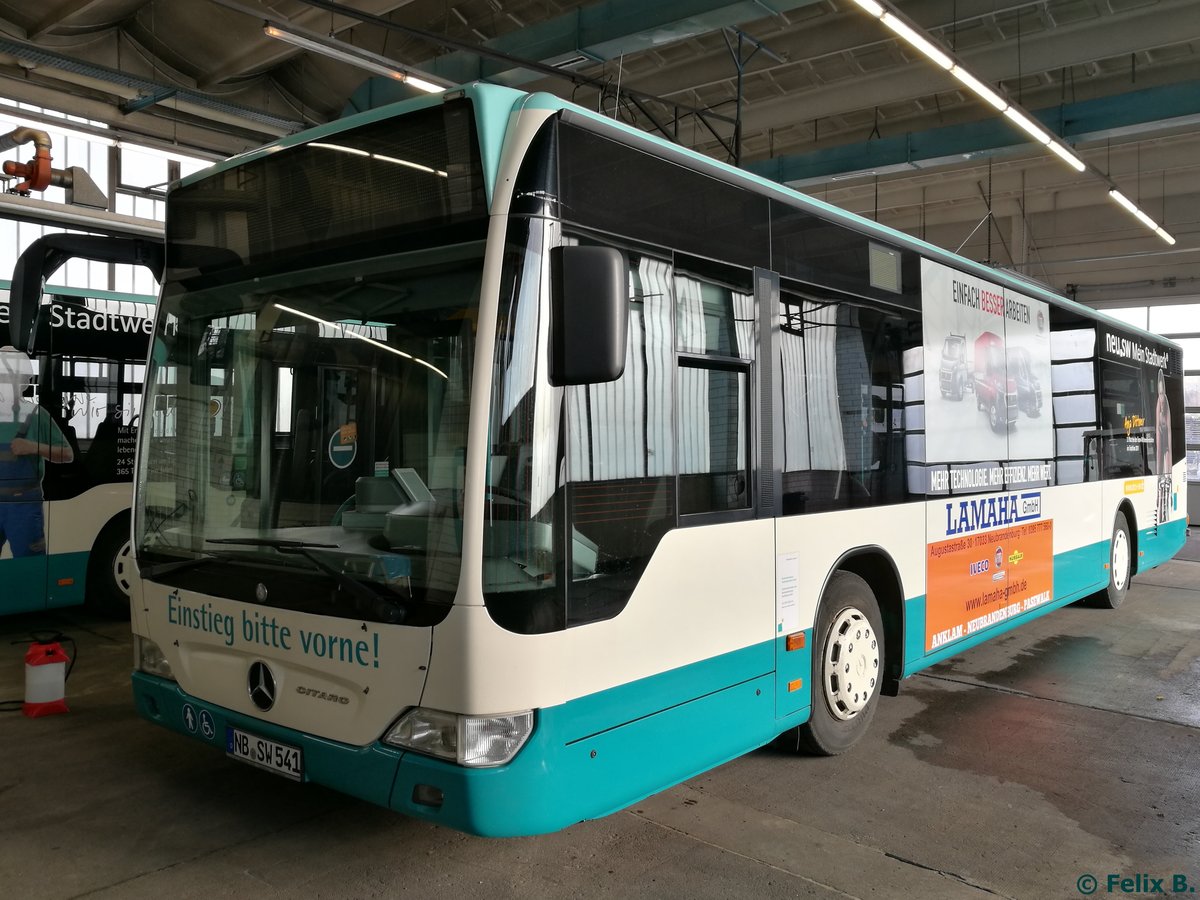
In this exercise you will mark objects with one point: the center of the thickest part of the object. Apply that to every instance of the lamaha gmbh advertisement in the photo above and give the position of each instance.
(996, 562)
(987, 383)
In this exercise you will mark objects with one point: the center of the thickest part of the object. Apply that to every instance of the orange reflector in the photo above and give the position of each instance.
(795, 641)
(795, 685)
(64, 582)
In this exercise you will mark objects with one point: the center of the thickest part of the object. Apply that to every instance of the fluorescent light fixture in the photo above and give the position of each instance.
(1026, 124)
(1133, 209)
(916, 39)
(1137, 213)
(979, 88)
(1067, 156)
(881, 9)
(363, 59)
(422, 85)
(871, 6)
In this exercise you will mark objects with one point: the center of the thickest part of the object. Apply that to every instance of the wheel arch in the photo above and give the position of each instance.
(875, 566)
(124, 516)
(98, 595)
(1131, 520)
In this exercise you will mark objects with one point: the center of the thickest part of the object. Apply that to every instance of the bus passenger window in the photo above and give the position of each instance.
(713, 474)
(580, 479)
(842, 377)
(1126, 422)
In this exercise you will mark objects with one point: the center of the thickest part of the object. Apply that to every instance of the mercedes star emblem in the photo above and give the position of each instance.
(262, 686)
(260, 593)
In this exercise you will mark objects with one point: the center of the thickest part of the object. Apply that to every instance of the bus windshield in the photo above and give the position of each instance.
(308, 386)
(323, 410)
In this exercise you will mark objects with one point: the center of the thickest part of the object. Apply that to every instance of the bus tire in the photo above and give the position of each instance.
(110, 569)
(1120, 566)
(847, 668)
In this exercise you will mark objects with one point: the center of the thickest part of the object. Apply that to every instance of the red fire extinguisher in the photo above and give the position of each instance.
(46, 669)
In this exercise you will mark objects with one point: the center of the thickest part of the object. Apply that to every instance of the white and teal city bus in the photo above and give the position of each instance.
(86, 368)
(557, 464)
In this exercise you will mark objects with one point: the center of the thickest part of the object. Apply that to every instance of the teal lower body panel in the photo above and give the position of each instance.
(67, 580)
(585, 759)
(24, 581)
(793, 675)
(33, 583)
(1156, 545)
(550, 785)
(1077, 574)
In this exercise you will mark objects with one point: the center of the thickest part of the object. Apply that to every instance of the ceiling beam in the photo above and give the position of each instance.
(217, 139)
(1160, 175)
(600, 32)
(62, 14)
(1137, 113)
(829, 36)
(1050, 51)
(129, 87)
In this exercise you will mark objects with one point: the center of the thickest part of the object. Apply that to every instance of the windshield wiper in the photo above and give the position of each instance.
(382, 608)
(166, 568)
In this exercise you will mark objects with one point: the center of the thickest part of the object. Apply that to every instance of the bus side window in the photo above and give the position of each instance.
(1078, 446)
(1127, 417)
(842, 375)
(715, 339)
(713, 414)
(620, 456)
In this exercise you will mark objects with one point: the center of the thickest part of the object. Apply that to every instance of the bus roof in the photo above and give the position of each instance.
(494, 105)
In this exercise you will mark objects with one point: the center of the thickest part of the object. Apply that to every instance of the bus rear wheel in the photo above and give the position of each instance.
(110, 570)
(1120, 566)
(847, 670)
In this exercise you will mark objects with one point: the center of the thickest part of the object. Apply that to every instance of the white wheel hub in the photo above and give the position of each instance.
(1120, 559)
(850, 664)
(122, 568)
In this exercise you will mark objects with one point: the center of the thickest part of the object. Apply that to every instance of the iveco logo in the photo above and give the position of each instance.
(261, 684)
(260, 593)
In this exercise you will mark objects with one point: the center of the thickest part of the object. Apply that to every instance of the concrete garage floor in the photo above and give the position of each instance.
(1067, 748)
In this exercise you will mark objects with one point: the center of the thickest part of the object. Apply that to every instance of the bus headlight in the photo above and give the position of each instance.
(150, 658)
(465, 740)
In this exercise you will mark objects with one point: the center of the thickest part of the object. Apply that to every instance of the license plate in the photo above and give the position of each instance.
(266, 754)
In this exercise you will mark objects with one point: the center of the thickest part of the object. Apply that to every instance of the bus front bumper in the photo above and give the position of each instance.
(553, 782)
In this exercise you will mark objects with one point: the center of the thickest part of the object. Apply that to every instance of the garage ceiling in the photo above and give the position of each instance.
(832, 103)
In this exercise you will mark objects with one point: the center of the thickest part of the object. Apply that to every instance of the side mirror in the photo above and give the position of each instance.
(589, 314)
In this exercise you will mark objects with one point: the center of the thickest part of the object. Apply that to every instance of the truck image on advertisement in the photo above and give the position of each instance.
(994, 390)
(953, 378)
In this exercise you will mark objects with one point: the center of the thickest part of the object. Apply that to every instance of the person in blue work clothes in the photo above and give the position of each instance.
(28, 436)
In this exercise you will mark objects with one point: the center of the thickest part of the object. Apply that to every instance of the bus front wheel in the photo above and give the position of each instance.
(110, 570)
(1120, 566)
(847, 669)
